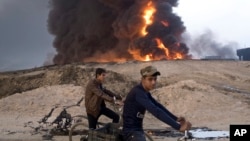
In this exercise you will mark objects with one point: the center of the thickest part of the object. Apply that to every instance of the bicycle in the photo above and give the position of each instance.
(108, 131)
(69, 125)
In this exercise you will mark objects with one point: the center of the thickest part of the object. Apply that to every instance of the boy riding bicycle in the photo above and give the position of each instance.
(95, 95)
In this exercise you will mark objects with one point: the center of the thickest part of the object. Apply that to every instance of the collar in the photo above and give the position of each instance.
(97, 82)
(141, 87)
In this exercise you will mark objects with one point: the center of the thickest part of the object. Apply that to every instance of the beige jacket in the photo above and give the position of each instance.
(95, 96)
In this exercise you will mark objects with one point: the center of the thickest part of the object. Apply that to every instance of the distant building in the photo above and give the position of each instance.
(244, 54)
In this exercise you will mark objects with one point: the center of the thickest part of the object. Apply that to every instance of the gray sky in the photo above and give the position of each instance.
(228, 19)
(25, 41)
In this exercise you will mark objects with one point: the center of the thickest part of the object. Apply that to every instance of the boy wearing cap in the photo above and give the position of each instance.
(139, 100)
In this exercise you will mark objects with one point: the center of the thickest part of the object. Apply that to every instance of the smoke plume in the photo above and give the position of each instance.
(111, 30)
(206, 45)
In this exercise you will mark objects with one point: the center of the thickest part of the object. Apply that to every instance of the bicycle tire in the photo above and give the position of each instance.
(83, 132)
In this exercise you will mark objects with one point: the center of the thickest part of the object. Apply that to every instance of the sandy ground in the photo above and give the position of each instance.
(211, 94)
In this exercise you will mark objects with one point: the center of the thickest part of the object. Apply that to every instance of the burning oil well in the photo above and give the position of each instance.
(116, 30)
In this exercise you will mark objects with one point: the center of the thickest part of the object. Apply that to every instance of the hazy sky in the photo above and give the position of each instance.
(228, 19)
(25, 41)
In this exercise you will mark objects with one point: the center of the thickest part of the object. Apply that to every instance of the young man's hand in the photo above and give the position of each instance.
(119, 97)
(119, 102)
(185, 126)
(181, 120)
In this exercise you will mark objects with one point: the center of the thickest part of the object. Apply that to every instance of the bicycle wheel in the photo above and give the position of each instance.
(79, 131)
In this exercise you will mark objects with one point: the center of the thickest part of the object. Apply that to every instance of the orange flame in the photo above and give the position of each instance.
(148, 57)
(148, 13)
(168, 56)
(136, 54)
(178, 56)
(148, 17)
(162, 46)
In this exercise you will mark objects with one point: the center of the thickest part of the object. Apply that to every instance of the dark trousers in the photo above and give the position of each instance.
(104, 111)
(134, 136)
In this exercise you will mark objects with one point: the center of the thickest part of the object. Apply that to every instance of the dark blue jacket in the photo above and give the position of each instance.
(137, 102)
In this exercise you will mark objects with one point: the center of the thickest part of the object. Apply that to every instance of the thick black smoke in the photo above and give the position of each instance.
(94, 30)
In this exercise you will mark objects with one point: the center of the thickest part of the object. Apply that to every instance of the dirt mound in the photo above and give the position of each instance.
(202, 103)
(21, 81)
(28, 96)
